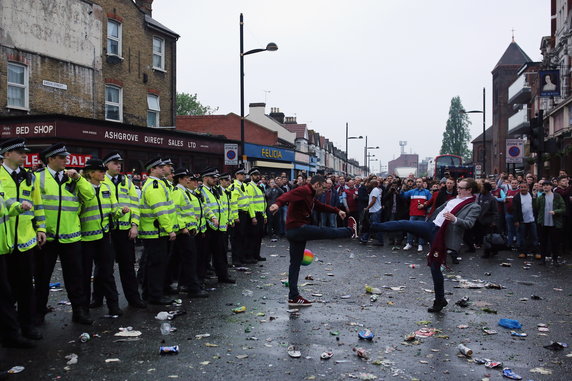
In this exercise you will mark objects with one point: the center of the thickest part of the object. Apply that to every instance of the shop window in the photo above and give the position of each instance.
(113, 38)
(153, 110)
(158, 53)
(113, 103)
(17, 86)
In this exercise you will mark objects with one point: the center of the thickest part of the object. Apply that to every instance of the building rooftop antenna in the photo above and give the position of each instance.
(402, 144)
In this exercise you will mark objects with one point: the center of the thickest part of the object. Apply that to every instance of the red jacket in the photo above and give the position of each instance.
(301, 202)
(508, 200)
(352, 202)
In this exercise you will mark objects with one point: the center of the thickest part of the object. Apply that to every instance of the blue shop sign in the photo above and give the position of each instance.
(269, 153)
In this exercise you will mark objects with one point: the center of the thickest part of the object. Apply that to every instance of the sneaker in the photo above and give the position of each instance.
(395, 248)
(352, 224)
(408, 247)
(299, 302)
(522, 255)
(419, 248)
(538, 256)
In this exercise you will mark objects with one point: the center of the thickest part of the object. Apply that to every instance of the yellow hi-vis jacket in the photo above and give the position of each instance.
(240, 197)
(232, 205)
(257, 200)
(25, 225)
(202, 212)
(126, 195)
(6, 212)
(186, 217)
(226, 208)
(62, 204)
(158, 215)
(97, 215)
(212, 202)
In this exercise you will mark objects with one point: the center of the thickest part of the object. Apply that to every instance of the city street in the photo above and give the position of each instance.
(217, 344)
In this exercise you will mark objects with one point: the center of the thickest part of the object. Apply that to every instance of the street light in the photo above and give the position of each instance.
(484, 169)
(365, 149)
(348, 138)
(271, 47)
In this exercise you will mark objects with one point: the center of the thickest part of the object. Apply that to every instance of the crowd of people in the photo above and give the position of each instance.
(187, 224)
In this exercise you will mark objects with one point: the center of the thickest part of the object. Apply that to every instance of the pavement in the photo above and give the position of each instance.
(254, 344)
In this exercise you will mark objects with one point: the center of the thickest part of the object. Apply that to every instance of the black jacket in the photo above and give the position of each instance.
(517, 208)
(489, 209)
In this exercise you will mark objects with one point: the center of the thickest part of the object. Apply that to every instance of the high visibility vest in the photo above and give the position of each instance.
(239, 196)
(62, 205)
(7, 212)
(224, 209)
(200, 209)
(126, 195)
(232, 205)
(158, 215)
(186, 218)
(97, 214)
(25, 225)
(212, 202)
(257, 200)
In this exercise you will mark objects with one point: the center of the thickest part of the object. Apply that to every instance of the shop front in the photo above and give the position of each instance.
(271, 161)
(87, 138)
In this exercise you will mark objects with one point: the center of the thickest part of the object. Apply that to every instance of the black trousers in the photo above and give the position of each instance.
(124, 249)
(239, 237)
(213, 247)
(156, 253)
(9, 326)
(173, 265)
(186, 250)
(100, 253)
(550, 239)
(254, 236)
(71, 261)
(20, 272)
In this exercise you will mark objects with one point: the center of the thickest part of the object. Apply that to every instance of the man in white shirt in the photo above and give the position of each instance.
(374, 209)
(524, 221)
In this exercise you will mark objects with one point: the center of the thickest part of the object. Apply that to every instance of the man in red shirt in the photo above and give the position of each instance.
(509, 214)
(301, 201)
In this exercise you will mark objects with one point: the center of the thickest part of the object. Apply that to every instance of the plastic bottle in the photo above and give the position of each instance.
(165, 328)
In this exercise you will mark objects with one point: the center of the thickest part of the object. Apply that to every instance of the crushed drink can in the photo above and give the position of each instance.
(465, 350)
(84, 337)
(361, 353)
(172, 350)
(518, 334)
(365, 334)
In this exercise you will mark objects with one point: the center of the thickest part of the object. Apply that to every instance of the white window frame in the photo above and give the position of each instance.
(25, 86)
(118, 39)
(120, 104)
(151, 110)
(162, 54)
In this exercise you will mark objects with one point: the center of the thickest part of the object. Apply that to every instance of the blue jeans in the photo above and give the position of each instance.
(373, 218)
(527, 237)
(282, 225)
(297, 238)
(328, 219)
(511, 230)
(410, 236)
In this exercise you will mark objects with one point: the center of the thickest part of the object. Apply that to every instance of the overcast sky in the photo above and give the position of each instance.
(388, 68)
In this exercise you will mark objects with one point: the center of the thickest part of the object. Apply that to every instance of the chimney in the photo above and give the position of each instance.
(277, 115)
(146, 6)
(290, 120)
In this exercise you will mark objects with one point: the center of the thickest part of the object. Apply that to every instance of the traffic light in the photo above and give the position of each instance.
(537, 133)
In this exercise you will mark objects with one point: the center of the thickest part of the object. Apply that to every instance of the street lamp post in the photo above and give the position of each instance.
(271, 47)
(483, 111)
(365, 149)
(348, 138)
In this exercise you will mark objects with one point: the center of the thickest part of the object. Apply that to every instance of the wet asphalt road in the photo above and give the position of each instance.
(253, 345)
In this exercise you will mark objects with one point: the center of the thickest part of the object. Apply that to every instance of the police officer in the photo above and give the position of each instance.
(124, 230)
(9, 325)
(240, 197)
(62, 193)
(257, 214)
(185, 250)
(28, 230)
(230, 207)
(213, 241)
(157, 229)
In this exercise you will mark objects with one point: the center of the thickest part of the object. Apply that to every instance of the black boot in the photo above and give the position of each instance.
(437, 305)
(114, 310)
(81, 315)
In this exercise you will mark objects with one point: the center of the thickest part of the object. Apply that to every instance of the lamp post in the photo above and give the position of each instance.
(348, 138)
(365, 149)
(271, 47)
(483, 111)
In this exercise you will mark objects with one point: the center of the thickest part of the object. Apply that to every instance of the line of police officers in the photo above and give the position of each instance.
(93, 218)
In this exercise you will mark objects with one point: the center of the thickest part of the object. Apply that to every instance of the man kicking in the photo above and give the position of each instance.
(444, 229)
(301, 201)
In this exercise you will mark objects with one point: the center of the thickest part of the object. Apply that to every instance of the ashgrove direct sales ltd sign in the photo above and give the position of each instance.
(70, 130)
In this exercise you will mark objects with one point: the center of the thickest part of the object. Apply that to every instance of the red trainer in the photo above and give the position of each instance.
(299, 302)
(352, 224)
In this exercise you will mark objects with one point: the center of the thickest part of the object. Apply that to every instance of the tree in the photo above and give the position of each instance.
(187, 104)
(457, 136)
